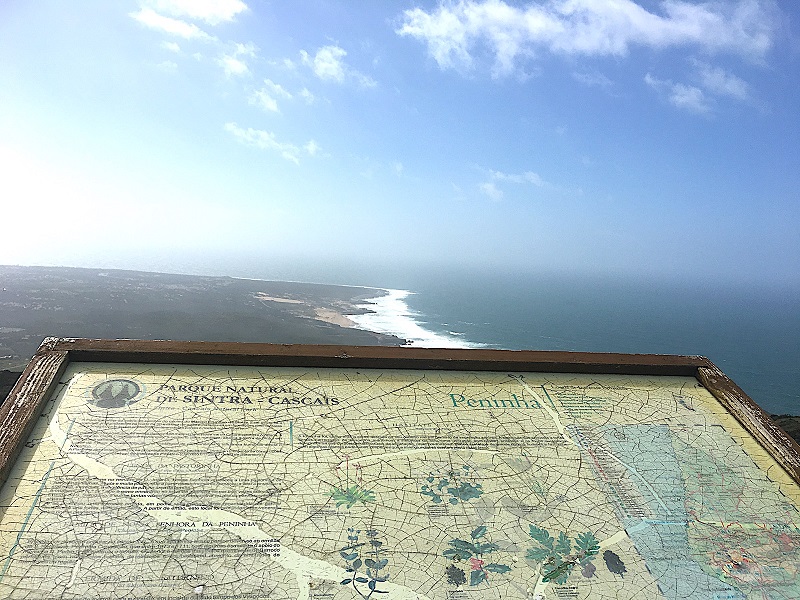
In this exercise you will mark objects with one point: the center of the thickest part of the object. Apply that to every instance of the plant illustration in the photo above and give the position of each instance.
(557, 557)
(452, 485)
(473, 552)
(372, 563)
(349, 495)
(614, 563)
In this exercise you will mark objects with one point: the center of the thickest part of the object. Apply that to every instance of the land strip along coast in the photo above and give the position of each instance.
(36, 302)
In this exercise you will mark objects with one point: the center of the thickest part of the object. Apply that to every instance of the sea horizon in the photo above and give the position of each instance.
(750, 332)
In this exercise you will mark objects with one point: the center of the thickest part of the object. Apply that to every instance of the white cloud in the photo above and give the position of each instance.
(312, 148)
(526, 177)
(232, 62)
(307, 96)
(458, 31)
(212, 12)
(592, 79)
(398, 168)
(150, 18)
(265, 140)
(328, 65)
(266, 97)
(689, 97)
(171, 46)
(680, 95)
(168, 66)
(233, 66)
(491, 190)
(720, 82)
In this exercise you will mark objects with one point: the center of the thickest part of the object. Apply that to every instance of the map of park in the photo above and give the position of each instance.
(170, 481)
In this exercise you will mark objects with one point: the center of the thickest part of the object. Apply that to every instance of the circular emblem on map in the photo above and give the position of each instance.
(115, 393)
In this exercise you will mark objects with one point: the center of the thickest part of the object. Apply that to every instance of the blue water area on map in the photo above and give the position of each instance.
(662, 537)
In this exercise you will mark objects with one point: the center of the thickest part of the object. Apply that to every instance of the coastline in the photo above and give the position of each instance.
(389, 314)
(386, 314)
(37, 302)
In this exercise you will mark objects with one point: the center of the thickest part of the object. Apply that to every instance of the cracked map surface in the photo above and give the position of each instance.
(165, 481)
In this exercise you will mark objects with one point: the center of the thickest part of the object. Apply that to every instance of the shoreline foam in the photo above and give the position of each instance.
(389, 314)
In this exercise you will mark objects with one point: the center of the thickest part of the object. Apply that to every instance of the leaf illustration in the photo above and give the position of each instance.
(460, 544)
(478, 532)
(486, 548)
(454, 554)
(455, 576)
(496, 568)
(614, 563)
(563, 545)
(541, 536)
(587, 544)
(537, 554)
(466, 491)
(560, 574)
(475, 577)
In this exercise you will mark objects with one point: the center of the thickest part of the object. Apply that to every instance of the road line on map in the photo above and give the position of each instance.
(25, 522)
(561, 429)
(294, 562)
(414, 451)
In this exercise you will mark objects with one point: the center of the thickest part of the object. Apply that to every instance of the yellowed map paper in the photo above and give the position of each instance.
(164, 481)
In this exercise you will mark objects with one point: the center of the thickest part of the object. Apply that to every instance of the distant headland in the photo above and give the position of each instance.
(36, 302)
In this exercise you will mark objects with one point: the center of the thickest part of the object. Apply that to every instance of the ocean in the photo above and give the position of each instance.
(752, 334)
(750, 331)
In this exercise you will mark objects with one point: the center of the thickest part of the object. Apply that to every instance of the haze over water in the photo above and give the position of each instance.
(751, 332)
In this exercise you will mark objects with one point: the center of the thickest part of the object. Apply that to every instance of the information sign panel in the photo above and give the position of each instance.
(337, 473)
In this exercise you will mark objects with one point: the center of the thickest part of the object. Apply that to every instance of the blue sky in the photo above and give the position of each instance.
(604, 136)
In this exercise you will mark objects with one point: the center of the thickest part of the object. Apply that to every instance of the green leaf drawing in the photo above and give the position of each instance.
(486, 548)
(563, 545)
(465, 492)
(496, 568)
(537, 554)
(556, 554)
(351, 496)
(587, 544)
(478, 532)
(560, 574)
(460, 544)
(475, 577)
(373, 564)
(542, 536)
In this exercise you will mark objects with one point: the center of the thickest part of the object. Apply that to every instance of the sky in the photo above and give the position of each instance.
(657, 137)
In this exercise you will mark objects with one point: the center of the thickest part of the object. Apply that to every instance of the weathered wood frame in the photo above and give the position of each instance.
(25, 401)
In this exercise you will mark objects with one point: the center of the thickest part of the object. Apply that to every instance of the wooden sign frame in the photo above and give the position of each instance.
(25, 401)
